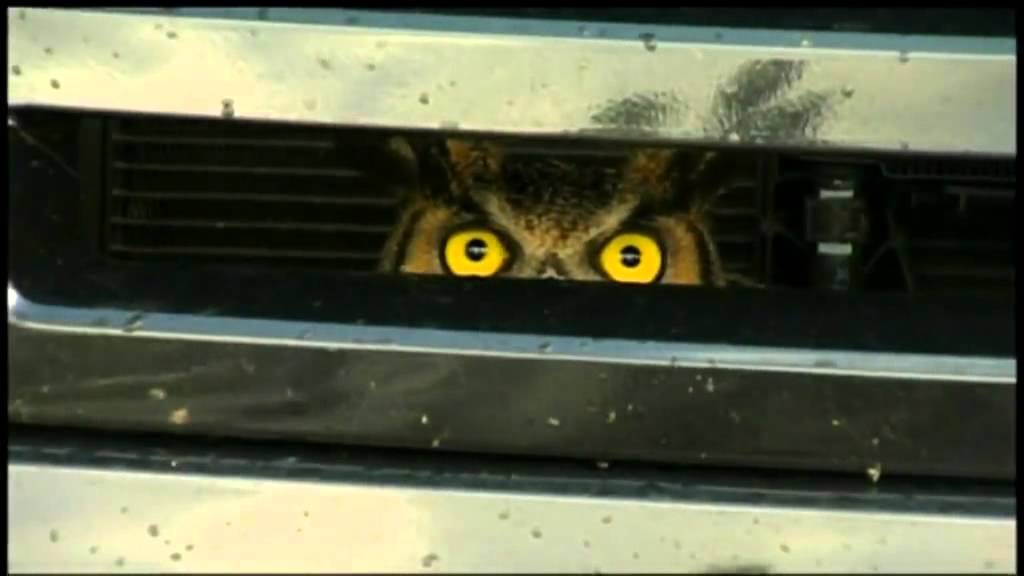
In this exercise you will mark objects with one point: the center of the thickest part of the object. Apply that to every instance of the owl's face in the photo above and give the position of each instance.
(543, 218)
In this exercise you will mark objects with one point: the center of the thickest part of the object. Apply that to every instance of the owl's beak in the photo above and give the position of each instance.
(552, 267)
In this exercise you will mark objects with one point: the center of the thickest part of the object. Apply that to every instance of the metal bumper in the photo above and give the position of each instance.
(113, 505)
(103, 509)
(676, 400)
(523, 77)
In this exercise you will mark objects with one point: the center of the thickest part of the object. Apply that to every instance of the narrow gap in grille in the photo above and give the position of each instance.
(263, 193)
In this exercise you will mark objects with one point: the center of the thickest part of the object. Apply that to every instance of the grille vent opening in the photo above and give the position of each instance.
(194, 190)
(947, 237)
(946, 224)
(934, 224)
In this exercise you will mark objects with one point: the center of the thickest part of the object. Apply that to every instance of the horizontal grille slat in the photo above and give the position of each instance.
(140, 126)
(257, 211)
(218, 141)
(735, 239)
(738, 255)
(164, 155)
(971, 272)
(738, 211)
(951, 244)
(244, 252)
(248, 183)
(200, 196)
(950, 169)
(219, 169)
(261, 238)
(222, 224)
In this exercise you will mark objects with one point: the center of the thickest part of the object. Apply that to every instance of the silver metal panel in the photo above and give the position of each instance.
(25, 314)
(66, 519)
(656, 86)
(564, 28)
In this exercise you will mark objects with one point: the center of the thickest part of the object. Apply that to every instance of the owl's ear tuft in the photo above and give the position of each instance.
(400, 149)
(649, 170)
(473, 161)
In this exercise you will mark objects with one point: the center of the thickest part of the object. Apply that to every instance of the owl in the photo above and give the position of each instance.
(637, 217)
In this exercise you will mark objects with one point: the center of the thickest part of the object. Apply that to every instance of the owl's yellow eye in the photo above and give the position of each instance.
(632, 258)
(475, 252)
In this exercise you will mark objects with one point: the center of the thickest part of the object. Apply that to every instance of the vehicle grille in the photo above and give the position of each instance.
(185, 189)
(195, 189)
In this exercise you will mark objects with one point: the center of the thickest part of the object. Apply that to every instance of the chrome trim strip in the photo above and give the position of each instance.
(134, 324)
(850, 91)
(76, 519)
(413, 21)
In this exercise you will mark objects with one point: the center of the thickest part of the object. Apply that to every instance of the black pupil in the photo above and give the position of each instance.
(476, 249)
(630, 256)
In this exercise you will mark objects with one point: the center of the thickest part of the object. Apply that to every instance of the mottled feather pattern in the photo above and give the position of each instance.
(555, 210)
